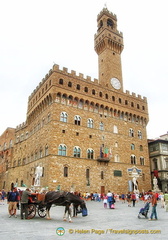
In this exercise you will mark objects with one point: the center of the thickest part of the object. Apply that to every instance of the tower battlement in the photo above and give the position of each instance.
(108, 13)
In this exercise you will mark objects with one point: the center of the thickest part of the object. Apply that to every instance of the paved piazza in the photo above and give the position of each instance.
(119, 223)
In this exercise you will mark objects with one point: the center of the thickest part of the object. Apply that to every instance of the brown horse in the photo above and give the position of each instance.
(62, 198)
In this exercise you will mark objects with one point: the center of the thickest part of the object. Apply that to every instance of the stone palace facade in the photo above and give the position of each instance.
(82, 134)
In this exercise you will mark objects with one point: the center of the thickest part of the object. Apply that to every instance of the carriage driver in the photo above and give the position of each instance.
(24, 203)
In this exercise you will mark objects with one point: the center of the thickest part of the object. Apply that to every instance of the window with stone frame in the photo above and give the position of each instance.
(46, 150)
(90, 153)
(142, 161)
(141, 148)
(155, 164)
(132, 146)
(131, 132)
(65, 171)
(88, 177)
(101, 126)
(133, 159)
(115, 129)
(90, 123)
(77, 120)
(41, 152)
(77, 152)
(62, 150)
(63, 117)
(139, 134)
(116, 158)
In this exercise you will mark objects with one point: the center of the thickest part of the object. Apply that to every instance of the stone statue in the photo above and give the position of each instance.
(135, 183)
(155, 183)
(38, 174)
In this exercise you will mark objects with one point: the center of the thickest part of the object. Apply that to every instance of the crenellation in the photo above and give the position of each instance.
(46, 76)
(133, 94)
(145, 99)
(81, 75)
(73, 73)
(96, 81)
(88, 78)
(107, 12)
(50, 72)
(65, 69)
(55, 67)
(127, 92)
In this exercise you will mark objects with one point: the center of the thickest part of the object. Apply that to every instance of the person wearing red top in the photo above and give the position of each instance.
(154, 205)
(133, 198)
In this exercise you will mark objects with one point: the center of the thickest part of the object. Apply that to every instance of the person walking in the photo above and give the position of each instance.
(105, 200)
(109, 198)
(24, 203)
(133, 198)
(129, 199)
(154, 205)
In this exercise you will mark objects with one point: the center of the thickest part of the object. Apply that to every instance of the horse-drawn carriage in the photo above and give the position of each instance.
(41, 203)
(36, 205)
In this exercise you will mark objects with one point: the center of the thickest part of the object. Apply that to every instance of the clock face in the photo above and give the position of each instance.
(115, 83)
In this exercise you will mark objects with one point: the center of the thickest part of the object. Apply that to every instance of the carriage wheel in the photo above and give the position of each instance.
(42, 212)
(31, 211)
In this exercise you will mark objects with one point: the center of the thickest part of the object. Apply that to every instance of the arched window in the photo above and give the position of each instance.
(78, 87)
(69, 84)
(90, 153)
(65, 171)
(62, 150)
(115, 129)
(131, 132)
(61, 81)
(63, 117)
(46, 150)
(101, 126)
(132, 146)
(77, 120)
(41, 153)
(141, 148)
(142, 162)
(139, 134)
(88, 176)
(93, 92)
(77, 152)
(102, 175)
(100, 24)
(86, 89)
(90, 123)
(133, 159)
(109, 22)
(116, 158)
(155, 164)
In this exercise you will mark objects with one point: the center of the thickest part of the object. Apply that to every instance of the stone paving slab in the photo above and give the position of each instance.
(119, 223)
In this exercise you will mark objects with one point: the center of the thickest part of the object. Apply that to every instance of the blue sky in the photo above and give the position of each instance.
(37, 34)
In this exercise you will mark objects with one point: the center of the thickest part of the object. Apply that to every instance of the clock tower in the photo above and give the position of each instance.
(108, 43)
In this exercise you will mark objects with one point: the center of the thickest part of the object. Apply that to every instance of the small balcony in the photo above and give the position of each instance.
(103, 159)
